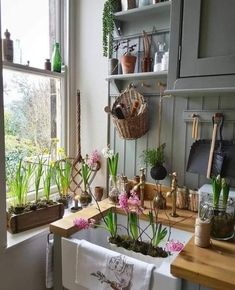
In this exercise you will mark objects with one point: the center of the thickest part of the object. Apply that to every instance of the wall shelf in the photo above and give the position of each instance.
(145, 11)
(199, 92)
(138, 76)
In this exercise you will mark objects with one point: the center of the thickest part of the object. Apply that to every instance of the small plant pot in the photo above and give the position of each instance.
(158, 172)
(128, 63)
(113, 66)
(99, 193)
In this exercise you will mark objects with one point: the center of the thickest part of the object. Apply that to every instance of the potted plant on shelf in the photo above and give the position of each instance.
(110, 7)
(113, 178)
(90, 165)
(155, 158)
(128, 60)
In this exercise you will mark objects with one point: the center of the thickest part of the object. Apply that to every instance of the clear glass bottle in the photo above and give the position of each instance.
(56, 58)
(113, 189)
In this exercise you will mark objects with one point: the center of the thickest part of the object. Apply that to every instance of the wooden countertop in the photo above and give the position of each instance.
(65, 228)
(212, 267)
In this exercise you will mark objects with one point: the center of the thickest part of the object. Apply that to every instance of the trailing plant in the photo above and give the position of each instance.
(110, 6)
(154, 157)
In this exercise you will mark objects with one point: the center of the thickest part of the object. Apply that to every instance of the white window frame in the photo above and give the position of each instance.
(65, 29)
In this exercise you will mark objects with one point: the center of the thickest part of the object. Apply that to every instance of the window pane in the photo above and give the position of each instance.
(31, 31)
(32, 112)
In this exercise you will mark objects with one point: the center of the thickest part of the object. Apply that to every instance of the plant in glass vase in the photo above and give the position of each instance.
(222, 227)
(88, 166)
(112, 165)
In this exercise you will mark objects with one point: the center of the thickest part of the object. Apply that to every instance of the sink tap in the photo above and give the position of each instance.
(140, 186)
(172, 193)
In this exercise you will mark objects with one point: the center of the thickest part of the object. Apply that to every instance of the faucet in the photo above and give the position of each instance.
(172, 193)
(140, 186)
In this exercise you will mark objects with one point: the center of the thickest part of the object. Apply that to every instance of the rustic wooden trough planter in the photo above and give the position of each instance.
(21, 222)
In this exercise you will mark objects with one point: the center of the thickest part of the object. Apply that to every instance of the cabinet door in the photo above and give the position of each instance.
(208, 38)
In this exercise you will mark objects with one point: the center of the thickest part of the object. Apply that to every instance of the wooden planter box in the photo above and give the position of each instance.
(21, 222)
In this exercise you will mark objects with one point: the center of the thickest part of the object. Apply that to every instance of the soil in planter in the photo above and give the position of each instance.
(222, 226)
(138, 246)
(30, 207)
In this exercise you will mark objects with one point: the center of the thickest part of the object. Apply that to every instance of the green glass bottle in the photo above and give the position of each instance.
(56, 58)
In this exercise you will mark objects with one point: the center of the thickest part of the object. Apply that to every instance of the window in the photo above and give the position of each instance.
(33, 97)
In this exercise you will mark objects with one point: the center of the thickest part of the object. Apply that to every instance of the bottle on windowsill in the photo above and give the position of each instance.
(56, 58)
(7, 47)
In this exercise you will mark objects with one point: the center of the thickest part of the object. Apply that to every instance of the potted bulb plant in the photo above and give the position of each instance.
(128, 60)
(110, 7)
(155, 158)
(222, 227)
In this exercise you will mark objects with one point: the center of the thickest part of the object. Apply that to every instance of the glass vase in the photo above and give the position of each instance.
(222, 227)
(85, 199)
(113, 189)
(221, 216)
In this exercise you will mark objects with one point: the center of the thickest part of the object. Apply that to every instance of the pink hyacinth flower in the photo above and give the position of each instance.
(174, 246)
(93, 159)
(123, 201)
(135, 203)
(81, 223)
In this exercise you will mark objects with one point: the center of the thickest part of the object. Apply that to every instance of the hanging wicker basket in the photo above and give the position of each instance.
(130, 114)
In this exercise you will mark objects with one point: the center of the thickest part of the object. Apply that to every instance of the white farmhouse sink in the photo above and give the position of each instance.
(161, 280)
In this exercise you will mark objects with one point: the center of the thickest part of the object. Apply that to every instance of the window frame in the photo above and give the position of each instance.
(65, 9)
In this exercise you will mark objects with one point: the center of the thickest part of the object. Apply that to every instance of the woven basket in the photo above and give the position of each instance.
(132, 127)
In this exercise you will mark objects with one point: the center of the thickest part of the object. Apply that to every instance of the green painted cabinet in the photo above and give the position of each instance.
(202, 49)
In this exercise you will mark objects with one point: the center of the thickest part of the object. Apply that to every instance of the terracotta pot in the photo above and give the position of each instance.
(99, 193)
(128, 63)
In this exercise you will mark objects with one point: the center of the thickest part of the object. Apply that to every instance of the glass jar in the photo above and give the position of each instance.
(221, 216)
(113, 189)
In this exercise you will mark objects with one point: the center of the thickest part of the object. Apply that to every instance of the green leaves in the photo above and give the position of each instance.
(19, 185)
(154, 157)
(225, 191)
(113, 164)
(219, 183)
(157, 231)
(111, 223)
(134, 225)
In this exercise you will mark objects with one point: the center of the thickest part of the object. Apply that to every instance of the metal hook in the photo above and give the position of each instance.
(143, 84)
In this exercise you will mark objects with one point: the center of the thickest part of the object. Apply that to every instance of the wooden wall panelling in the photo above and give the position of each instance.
(178, 140)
